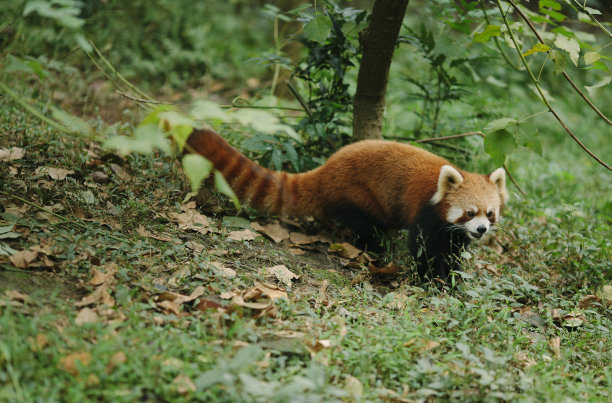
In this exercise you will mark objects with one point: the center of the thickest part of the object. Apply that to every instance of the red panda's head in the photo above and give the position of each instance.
(470, 202)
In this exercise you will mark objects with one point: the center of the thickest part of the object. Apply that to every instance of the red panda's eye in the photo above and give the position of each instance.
(490, 214)
(471, 214)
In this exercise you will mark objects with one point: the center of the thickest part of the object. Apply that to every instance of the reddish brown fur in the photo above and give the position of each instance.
(389, 181)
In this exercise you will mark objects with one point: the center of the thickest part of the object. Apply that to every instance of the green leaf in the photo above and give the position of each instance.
(6, 250)
(559, 60)
(554, 14)
(318, 29)
(83, 43)
(499, 145)
(570, 45)
(604, 82)
(208, 110)
(486, 35)
(147, 137)
(526, 135)
(538, 47)
(591, 57)
(498, 124)
(197, 168)
(16, 64)
(71, 122)
(224, 187)
(550, 3)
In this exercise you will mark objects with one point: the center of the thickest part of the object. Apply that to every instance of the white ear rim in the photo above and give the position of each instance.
(499, 178)
(449, 178)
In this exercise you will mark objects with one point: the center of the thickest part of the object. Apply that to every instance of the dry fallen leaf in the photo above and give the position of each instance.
(58, 174)
(12, 154)
(275, 231)
(354, 387)
(345, 249)
(282, 273)
(195, 246)
(390, 268)
(118, 358)
(15, 295)
(191, 220)
(86, 315)
(40, 343)
(103, 278)
(183, 384)
(99, 296)
(244, 235)
(172, 301)
(223, 271)
(523, 360)
(588, 301)
(142, 231)
(23, 258)
(555, 346)
(298, 238)
(69, 362)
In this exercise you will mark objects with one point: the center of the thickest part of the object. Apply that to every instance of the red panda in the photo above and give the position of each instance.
(374, 185)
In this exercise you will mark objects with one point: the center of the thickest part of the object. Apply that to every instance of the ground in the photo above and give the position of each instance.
(113, 287)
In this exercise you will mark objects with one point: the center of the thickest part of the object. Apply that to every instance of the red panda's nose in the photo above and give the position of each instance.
(481, 229)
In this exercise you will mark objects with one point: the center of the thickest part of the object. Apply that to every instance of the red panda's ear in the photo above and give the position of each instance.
(499, 178)
(449, 179)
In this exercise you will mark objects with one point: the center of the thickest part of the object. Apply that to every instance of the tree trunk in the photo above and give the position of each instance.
(378, 41)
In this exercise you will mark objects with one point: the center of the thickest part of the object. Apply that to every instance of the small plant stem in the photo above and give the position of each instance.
(141, 100)
(537, 85)
(567, 77)
(64, 219)
(276, 65)
(584, 10)
(497, 44)
(47, 120)
(117, 74)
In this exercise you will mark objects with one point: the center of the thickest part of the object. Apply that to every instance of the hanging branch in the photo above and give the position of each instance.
(537, 85)
(569, 80)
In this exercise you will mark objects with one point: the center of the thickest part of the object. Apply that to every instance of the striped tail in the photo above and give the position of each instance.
(261, 188)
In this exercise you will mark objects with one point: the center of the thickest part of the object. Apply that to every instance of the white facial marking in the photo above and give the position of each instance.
(454, 213)
(448, 179)
(473, 225)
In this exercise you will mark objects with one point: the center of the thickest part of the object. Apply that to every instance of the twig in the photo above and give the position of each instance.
(144, 101)
(513, 181)
(537, 85)
(497, 44)
(297, 96)
(567, 77)
(64, 219)
(447, 146)
(454, 136)
(584, 10)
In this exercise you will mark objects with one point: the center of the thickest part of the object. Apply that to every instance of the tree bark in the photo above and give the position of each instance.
(378, 41)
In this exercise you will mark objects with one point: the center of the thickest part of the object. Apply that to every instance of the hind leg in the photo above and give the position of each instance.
(364, 225)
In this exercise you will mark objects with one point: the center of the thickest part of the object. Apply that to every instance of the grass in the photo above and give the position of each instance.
(522, 326)
(503, 334)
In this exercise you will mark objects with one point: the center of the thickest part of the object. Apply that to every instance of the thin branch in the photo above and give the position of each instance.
(569, 80)
(497, 44)
(454, 136)
(584, 10)
(537, 85)
(299, 97)
(141, 100)
(513, 181)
